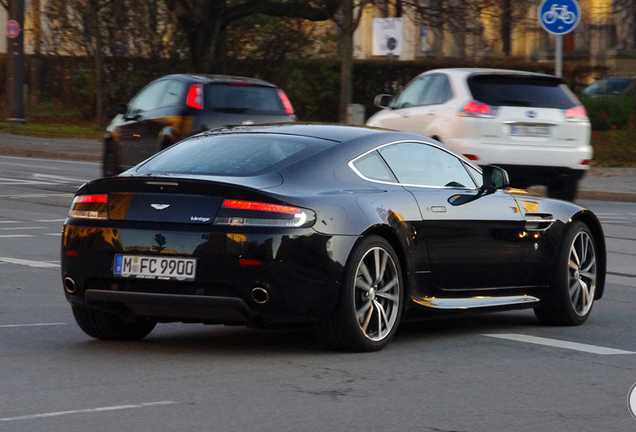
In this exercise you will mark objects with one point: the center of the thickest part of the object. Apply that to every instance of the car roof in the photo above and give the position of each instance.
(331, 132)
(221, 79)
(487, 71)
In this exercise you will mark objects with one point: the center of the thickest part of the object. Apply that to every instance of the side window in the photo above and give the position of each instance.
(421, 164)
(412, 94)
(437, 92)
(174, 94)
(373, 167)
(148, 98)
(476, 175)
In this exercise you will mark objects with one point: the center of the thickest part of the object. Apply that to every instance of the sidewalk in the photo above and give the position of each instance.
(607, 184)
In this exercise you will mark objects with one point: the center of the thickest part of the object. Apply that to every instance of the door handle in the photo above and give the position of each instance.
(438, 209)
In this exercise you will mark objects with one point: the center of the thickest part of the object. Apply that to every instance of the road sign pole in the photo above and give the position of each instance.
(15, 62)
(559, 17)
(558, 56)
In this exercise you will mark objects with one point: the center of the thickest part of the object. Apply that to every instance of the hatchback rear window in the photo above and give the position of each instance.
(525, 91)
(243, 98)
(235, 155)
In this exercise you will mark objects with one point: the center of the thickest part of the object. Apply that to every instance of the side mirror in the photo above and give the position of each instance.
(383, 100)
(494, 177)
(121, 108)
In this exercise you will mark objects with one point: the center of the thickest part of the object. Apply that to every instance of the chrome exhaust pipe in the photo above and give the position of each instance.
(260, 295)
(69, 285)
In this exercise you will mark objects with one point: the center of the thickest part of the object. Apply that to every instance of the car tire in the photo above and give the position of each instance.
(564, 189)
(571, 295)
(110, 326)
(371, 302)
(110, 167)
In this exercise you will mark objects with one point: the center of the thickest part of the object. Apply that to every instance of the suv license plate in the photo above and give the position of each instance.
(530, 131)
(154, 267)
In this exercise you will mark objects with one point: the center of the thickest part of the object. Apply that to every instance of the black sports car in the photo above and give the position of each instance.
(349, 228)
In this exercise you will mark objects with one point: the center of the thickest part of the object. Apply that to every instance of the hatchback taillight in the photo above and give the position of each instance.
(289, 109)
(478, 109)
(576, 112)
(252, 213)
(195, 96)
(89, 207)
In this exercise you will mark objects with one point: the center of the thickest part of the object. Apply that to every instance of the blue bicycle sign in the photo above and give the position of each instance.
(559, 16)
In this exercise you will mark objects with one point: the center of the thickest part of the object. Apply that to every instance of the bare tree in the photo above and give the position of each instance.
(205, 22)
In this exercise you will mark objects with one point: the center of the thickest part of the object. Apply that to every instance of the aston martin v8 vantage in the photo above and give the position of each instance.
(350, 229)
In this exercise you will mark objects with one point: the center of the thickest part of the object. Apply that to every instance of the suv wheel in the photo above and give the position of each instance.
(564, 189)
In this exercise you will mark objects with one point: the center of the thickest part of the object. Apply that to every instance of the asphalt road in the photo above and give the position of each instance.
(493, 372)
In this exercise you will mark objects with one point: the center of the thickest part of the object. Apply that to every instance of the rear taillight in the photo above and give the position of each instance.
(289, 109)
(89, 207)
(195, 96)
(478, 109)
(471, 157)
(251, 213)
(577, 112)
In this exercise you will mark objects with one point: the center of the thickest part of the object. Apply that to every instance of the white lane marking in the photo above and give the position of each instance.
(29, 166)
(49, 220)
(38, 195)
(53, 234)
(16, 235)
(86, 411)
(30, 263)
(23, 228)
(594, 349)
(30, 325)
(10, 222)
(58, 179)
(50, 161)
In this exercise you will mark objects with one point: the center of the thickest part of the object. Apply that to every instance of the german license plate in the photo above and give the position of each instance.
(529, 131)
(155, 267)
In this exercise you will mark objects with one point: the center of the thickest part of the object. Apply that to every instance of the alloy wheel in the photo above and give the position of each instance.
(582, 273)
(377, 294)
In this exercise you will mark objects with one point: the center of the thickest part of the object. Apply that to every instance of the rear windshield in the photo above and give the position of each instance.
(525, 91)
(236, 155)
(240, 98)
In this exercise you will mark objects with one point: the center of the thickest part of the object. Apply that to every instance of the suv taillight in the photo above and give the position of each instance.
(195, 96)
(289, 109)
(478, 109)
(576, 112)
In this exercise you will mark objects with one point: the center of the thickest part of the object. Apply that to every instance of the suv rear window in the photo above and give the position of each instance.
(243, 98)
(520, 90)
(235, 155)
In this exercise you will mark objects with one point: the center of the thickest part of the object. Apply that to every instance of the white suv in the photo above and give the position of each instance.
(530, 124)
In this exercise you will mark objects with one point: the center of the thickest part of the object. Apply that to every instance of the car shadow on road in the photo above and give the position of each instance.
(196, 339)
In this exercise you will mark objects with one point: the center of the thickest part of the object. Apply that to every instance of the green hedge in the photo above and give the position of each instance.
(609, 112)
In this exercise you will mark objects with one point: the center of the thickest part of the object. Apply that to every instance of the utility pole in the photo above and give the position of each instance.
(15, 61)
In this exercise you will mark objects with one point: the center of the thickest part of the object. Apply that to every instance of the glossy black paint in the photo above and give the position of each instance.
(498, 243)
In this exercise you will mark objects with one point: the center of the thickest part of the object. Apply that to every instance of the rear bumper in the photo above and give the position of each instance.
(300, 270)
(560, 157)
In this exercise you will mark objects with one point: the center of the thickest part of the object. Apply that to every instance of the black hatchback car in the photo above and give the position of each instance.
(174, 107)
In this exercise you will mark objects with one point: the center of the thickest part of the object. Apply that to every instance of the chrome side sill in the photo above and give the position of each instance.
(475, 302)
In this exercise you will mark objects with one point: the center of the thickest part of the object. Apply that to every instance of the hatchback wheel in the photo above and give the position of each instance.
(109, 326)
(110, 167)
(571, 295)
(371, 304)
